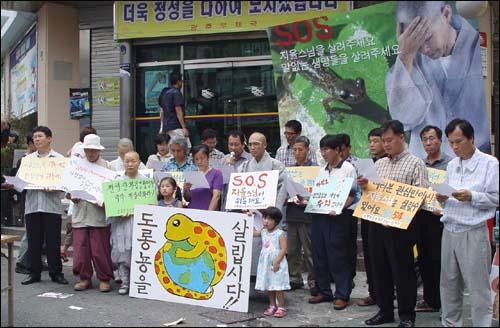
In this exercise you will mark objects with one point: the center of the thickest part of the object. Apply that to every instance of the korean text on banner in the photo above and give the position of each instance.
(146, 19)
(121, 196)
(252, 190)
(329, 195)
(192, 257)
(390, 203)
(42, 172)
(304, 175)
(82, 175)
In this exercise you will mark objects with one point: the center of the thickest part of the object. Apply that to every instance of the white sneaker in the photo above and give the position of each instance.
(123, 290)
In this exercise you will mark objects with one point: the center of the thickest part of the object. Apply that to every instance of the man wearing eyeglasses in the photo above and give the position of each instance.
(284, 154)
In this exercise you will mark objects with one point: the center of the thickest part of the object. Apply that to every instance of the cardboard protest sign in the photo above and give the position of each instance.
(390, 203)
(435, 177)
(191, 256)
(304, 175)
(121, 196)
(252, 190)
(42, 172)
(81, 175)
(329, 194)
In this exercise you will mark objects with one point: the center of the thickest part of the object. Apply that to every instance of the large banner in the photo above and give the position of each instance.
(146, 19)
(390, 203)
(343, 73)
(23, 77)
(42, 172)
(192, 257)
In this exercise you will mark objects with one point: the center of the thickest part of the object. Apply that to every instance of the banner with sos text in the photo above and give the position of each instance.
(192, 257)
(330, 70)
(252, 190)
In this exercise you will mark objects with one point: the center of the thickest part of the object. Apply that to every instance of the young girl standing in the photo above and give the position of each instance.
(272, 270)
(169, 195)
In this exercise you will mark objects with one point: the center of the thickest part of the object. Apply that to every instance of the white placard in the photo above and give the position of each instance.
(18, 183)
(191, 256)
(80, 175)
(293, 188)
(147, 173)
(82, 194)
(252, 190)
(443, 189)
(366, 168)
(196, 178)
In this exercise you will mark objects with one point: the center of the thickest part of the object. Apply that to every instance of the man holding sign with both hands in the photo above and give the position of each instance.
(391, 249)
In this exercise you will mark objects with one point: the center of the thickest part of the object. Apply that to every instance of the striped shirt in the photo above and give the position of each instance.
(404, 168)
(284, 154)
(479, 174)
(43, 201)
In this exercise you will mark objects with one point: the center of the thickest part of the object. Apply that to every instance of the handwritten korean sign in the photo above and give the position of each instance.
(192, 257)
(121, 196)
(329, 194)
(145, 19)
(430, 202)
(304, 175)
(252, 190)
(82, 175)
(42, 172)
(390, 203)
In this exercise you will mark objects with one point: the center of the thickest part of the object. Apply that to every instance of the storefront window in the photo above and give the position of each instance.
(158, 53)
(221, 49)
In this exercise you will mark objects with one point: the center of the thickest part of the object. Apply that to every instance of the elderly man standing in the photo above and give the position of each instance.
(466, 252)
(429, 228)
(391, 249)
(262, 161)
(91, 233)
(284, 154)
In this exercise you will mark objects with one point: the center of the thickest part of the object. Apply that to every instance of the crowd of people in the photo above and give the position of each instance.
(453, 245)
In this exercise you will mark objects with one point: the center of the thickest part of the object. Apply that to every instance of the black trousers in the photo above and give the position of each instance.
(391, 252)
(429, 232)
(353, 240)
(39, 227)
(330, 236)
(365, 228)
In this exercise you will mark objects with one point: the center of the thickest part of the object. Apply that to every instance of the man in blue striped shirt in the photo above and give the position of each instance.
(466, 252)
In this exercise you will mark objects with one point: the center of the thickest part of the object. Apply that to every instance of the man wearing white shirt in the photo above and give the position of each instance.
(466, 252)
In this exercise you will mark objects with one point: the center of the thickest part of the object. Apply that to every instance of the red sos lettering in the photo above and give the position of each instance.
(237, 181)
(250, 180)
(322, 31)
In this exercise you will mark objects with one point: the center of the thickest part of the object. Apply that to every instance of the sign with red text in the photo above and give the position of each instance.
(329, 195)
(390, 203)
(192, 257)
(42, 172)
(252, 190)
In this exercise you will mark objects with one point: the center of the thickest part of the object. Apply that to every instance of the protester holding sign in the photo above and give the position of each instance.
(466, 252)
(429, 228)
(376, 152)
(204, 198)
(391, 249)
(43, 217)
(91, 233)
(121, 228)
(331, 233)
(299, 227)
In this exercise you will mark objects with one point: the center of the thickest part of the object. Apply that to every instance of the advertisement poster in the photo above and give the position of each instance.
(192, 257)
(155, 81)
(344, 73)
(23, 77)
(147, 19)
(79, 104)
(108, 91)
(390, 203)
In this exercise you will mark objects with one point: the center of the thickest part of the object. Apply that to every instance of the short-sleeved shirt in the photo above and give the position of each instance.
(440, 164)
(172, 166)
(201, 197)
(169, 99)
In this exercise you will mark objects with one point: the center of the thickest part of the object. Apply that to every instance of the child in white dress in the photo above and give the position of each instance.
(272, 270)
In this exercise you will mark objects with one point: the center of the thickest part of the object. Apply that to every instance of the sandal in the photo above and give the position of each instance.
(64, 256)
(280, 312)
(270, 310)
(422, 306)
